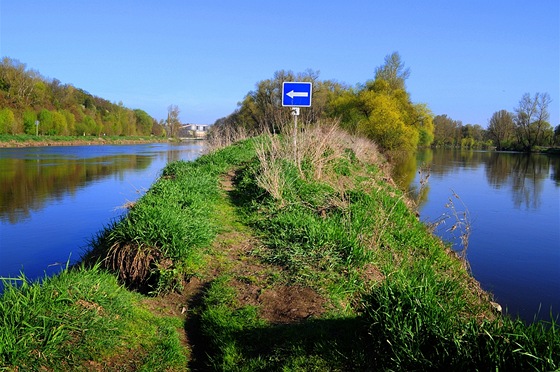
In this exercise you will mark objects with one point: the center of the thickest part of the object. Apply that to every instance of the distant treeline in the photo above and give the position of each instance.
(382, 110)
(32, 104)
(523, 130)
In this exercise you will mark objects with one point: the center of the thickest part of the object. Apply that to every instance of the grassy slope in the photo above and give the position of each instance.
(284, 260)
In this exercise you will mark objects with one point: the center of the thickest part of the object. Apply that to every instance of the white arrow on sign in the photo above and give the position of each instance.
(293, 94)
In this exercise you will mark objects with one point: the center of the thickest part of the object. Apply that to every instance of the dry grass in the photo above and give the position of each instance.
(320, 147)
(223, 136)
(271, 177)
(132, 262)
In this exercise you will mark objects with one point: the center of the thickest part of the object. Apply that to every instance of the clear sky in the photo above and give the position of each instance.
(468, 58)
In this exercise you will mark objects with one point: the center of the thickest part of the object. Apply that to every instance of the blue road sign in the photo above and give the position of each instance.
(296, 94)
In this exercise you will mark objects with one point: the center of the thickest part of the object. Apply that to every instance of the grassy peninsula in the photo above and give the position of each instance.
(267, 256)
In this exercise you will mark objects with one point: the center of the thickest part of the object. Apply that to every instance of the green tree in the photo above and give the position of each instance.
(70, 120)
(29, 119)
(88, 126)
(46, 124)
(59, 125)
(447, 132)
(422, 119)
(386, 124)
(472, 135)
(531, 120)
(7, 121)
(386, 113)
(144, 122)
(501, 129)
(556, 136)
(393, 72)
(349, 108)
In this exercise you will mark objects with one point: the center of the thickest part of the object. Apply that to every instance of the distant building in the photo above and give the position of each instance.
(193, 130)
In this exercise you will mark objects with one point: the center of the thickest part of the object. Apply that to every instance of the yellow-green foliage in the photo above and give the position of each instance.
(382, 110)
(386, 123)
(7, 121)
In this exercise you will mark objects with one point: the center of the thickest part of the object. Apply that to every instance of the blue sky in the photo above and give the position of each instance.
(468, 58)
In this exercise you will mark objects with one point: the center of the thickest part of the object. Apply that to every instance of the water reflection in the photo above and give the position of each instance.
(29, 184)
(54, 199)
(523, 175)
(513, 199)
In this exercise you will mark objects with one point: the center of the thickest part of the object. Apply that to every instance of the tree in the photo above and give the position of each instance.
(261, 109)
(393, 72)
(556, 137)
(382, 110)
(386, 124)
(7, 121)
(70, 122)
(422, 119)
(531, 120)
(26, 93)
(173, 123)
(29, 119)
(17, 83)
(158, 128)
(348, 107)
(144, 122)
(45, 118)
(501, 128)
(447, 132)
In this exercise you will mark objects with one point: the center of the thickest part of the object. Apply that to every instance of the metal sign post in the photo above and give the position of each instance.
(295, 114)
(296, 95)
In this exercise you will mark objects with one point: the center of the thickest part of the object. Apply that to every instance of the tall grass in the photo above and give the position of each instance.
(328, 215)
(78, 319)
(416, 326)
(155, 245)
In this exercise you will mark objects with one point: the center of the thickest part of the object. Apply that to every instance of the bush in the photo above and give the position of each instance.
(7, 121)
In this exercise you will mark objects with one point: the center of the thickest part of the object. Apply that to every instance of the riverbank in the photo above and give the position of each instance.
(11, 141)
(260, 257)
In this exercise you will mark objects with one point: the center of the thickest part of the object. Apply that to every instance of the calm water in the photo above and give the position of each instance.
(54, 199)
(513, 202)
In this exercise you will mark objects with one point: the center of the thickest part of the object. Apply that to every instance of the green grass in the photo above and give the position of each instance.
(412, 328)
(78, 319)
(156, 245)
(427, 313)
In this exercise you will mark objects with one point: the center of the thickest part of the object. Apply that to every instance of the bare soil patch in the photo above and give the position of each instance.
(290, 304)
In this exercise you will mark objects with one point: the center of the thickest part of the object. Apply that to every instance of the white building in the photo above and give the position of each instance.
(194, 130)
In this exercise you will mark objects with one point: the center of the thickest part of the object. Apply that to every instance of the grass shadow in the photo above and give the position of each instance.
(317, 344)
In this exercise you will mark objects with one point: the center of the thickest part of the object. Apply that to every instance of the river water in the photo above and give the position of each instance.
(511, 204)
(53, 200)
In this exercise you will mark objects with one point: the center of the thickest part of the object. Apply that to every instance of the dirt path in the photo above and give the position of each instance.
(256, 283)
